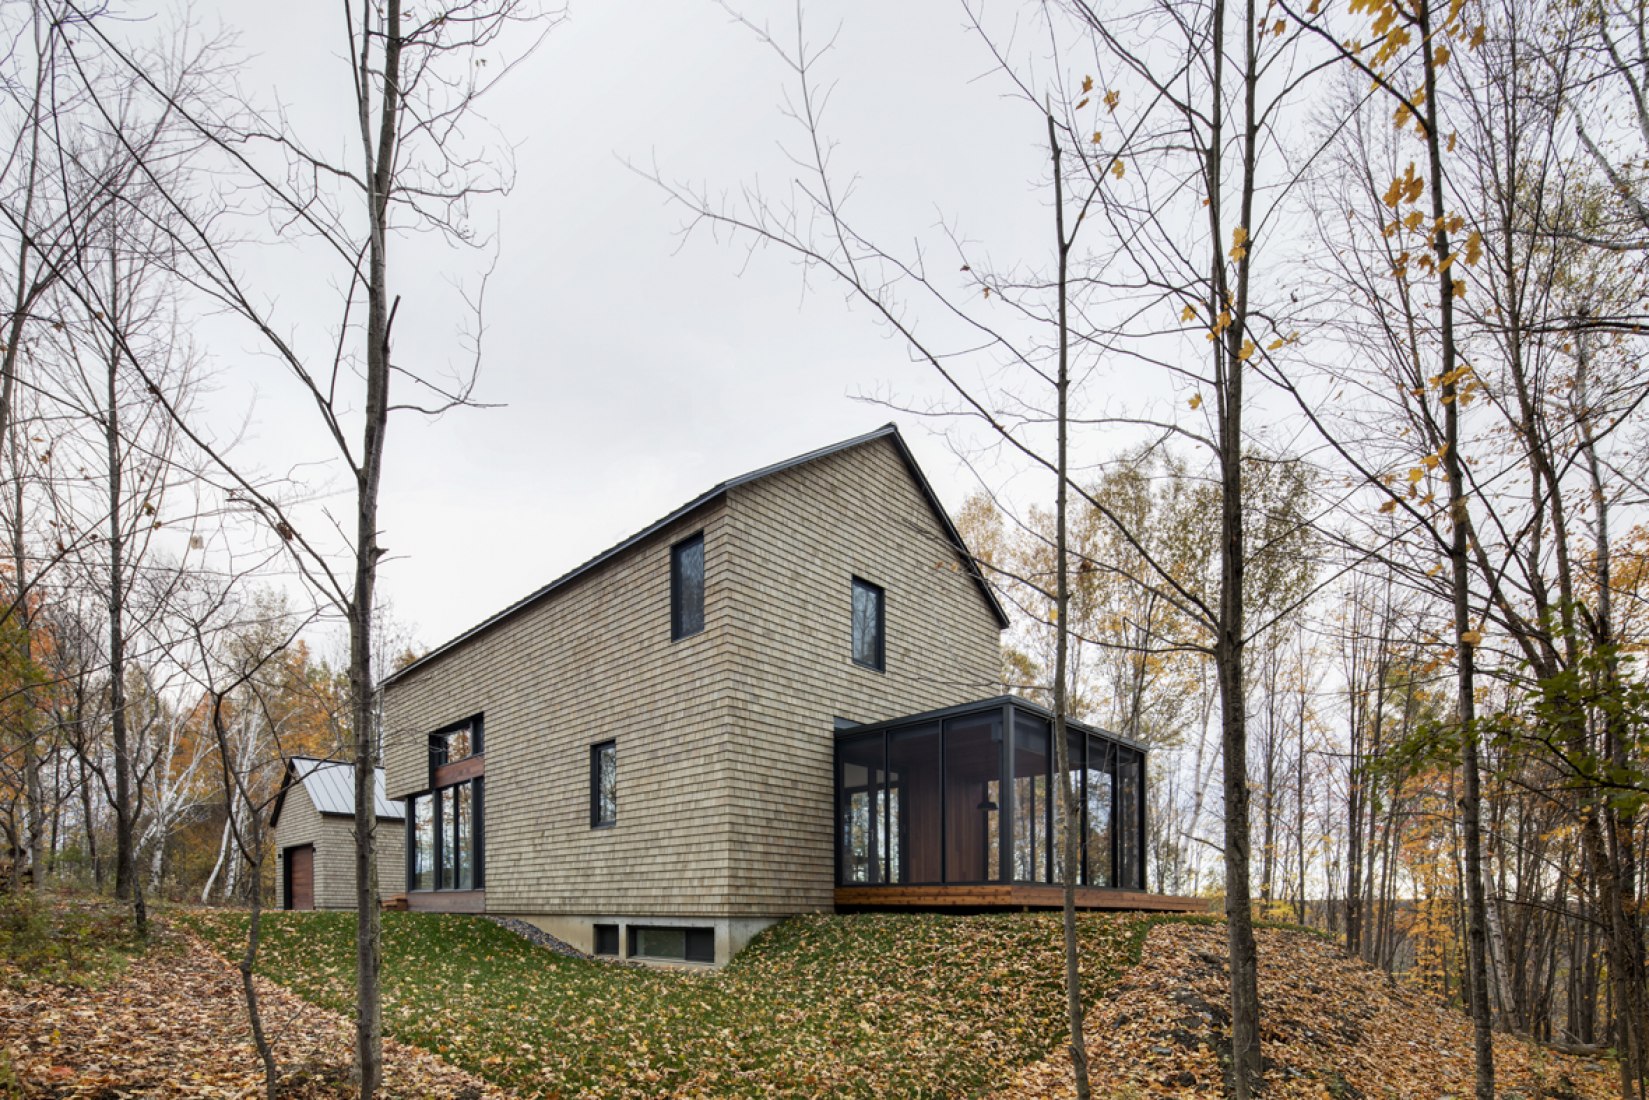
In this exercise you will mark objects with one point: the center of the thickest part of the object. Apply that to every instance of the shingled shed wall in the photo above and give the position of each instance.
(798, 539)
(592, 662)
(334, 841)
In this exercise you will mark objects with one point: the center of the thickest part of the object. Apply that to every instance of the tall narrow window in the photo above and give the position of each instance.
(869, 648)
(460, 854)
(687, 587)
(603, 784)
(423, 842)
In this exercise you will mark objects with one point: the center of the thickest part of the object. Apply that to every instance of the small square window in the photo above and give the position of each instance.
(869, 626)
(603, 784)
(687, 587)
(606, 939)
(454, 744)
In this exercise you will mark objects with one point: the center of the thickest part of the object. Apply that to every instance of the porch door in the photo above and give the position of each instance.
(300, 877)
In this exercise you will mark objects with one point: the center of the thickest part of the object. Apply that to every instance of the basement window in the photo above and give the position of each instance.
(606, 940)
(696, 945)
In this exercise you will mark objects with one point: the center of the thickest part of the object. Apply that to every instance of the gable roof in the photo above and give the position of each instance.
(889, 432)
(330, 785)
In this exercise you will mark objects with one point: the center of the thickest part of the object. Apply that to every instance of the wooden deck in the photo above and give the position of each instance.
(1002, 896)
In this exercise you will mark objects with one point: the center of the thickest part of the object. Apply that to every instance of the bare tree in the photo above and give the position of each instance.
(415, 78)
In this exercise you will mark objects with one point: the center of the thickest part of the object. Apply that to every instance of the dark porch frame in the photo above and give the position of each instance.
(883, 806)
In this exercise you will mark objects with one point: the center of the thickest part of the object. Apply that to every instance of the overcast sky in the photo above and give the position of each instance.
(633, 369)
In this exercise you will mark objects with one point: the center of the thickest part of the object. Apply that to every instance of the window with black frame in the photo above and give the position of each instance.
(603, 784)
(869, 625)
(446, 843)
(687, 587)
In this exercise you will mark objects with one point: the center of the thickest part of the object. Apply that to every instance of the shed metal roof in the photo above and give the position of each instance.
(887, 431)
(331, 787)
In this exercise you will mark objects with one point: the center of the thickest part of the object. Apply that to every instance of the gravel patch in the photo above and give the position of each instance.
(535, 934)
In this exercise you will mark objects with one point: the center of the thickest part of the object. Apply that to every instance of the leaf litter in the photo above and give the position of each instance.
(1330, 1029)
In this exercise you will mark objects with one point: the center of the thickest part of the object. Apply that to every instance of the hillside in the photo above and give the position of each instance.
(1332, 1029)
(872, 1006)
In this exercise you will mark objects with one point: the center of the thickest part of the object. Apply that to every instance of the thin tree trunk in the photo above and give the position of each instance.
(1460, 584)
(127, 885)
(1062, 631)
(1229, 629)
(379, 153)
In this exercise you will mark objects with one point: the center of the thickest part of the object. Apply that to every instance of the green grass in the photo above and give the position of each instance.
(875, 1005)
(64, 938)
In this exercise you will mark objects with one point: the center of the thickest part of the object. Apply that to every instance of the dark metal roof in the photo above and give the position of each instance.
(331, 787)
(886, 431)
(979, 706)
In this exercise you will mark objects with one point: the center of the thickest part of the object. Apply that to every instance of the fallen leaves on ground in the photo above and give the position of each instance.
(173, 1024)
(1331, 1029)
(855, 1006)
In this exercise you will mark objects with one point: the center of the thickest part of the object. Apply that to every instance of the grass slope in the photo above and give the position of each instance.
(884, 1005)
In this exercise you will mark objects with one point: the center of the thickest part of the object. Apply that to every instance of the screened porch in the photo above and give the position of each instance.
(953, 806)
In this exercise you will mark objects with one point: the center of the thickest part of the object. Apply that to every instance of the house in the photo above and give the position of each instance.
(782, 697)
(313, 820)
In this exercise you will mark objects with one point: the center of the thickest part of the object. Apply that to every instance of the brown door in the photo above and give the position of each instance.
(300, 877)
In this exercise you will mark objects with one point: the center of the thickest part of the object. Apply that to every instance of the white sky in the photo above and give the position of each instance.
(635, 372)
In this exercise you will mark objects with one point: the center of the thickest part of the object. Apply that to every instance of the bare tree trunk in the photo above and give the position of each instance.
(379, 153)
(1471, 798)
(1229, 628)
(248, 962)
(127, 885)
(1062, 633)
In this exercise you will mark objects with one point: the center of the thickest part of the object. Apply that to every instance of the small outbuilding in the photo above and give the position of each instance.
(314, 824)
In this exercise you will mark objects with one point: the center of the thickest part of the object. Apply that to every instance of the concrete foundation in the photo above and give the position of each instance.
(732, 933)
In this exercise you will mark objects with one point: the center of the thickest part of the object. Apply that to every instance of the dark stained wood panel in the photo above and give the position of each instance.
(1000, 896)
(472, 767)
(300, 871)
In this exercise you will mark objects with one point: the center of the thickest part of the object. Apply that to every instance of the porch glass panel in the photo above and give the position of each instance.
(1097, 802)
(1031, 806)
(915, 805)
(861, 809)
(1130, 861)
(973, 797)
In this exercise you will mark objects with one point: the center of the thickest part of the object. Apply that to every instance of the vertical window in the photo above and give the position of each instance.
(869, 621)
(606, 939)
(445, 846)
(1099, 797)
(423, 842)
(1130, 871)
(687, 587)
(460, 853)
(1031, 804)
(603, 784)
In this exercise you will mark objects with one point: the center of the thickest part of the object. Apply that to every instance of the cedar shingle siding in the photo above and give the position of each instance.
(334, 841)
(724, 738)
